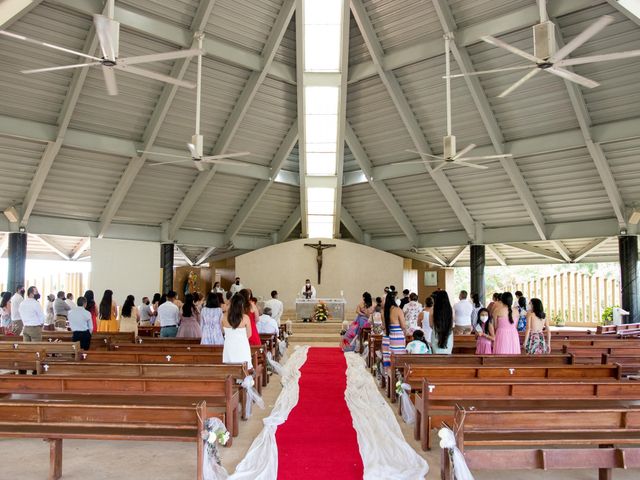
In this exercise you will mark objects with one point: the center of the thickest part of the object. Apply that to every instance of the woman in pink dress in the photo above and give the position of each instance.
(507, 339)
(485, 333)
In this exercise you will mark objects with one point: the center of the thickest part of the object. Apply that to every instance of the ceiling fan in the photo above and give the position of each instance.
(546, 57)
(108, 32)
(450, 156)
(197, 141)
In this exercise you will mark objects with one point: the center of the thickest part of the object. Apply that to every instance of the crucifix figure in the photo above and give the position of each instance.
(319, 247)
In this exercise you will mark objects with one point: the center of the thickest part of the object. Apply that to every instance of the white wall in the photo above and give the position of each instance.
(127, 267)
(350, 267)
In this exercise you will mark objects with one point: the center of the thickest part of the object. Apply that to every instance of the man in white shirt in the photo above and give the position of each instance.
(276, 306)
(32, 316)
(145, 312)
(16, 320)
(81, 324)
(308, 291)
(236, 287)
(168, 316)
(266, 324)
(462, 314)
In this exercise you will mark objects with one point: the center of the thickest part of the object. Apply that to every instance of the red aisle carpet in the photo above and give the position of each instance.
(318, 440)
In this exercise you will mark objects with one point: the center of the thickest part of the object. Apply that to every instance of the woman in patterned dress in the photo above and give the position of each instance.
(537, 328)
(394, 339)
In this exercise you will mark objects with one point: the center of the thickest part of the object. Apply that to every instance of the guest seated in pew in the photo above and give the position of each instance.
(237, 331)
(81, 324)
(211, 321)
(189, 320)
(363, 313)
(419, 344)
(168, 316)
(108, 313)
(266, 323)
(507, 340)
(441, 323)
(534, 337)
(129, 316)
(485, 333)
(393, 340)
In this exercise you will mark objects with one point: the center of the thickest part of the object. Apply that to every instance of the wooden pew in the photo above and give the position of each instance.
(165, 341)
(270, 343)
(617, 329)
(238, 372)
(150, 331)
(593, 354)
(399, 363)
(545, 437)
(102, 418)
(21, 360)
(54, 350)
(221, 396)
(258, 353)
(436, 399)
(99, 340)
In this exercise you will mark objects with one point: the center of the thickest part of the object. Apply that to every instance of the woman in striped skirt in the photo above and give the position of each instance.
(394, 340)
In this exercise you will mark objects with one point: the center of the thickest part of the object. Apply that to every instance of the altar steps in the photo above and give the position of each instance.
(318, 334)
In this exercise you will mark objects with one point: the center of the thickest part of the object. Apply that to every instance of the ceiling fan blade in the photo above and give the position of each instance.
(148, 152)
(439, 167)
(597, 58)
(64, 67)
(110, 80)
(159, 57)
(172, 161)
(48, 45)
(193, 150)
(480, 167)
(495, 70)
(103, 26)
(519, 82)
(155, 76)
(499, 43)
(486, 157)
(424, 154)
(410, 162)
(466, 149)
(226, 155)
(581, 38)
(574, 77)
(224, 162)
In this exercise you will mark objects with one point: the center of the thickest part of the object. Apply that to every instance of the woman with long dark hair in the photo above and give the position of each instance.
(522, 313)
(364, 310)
(189, 323)
(5, 311)
(441, 323)
(537, 329)
(91, 307)
(507, 340)
(393, 340)
(211, 321)
(251, 310)
(129, 315)
(108, 313)
(237, 331)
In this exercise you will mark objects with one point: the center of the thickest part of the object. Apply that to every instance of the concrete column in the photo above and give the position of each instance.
(17, 253)
(477, 263)
(166, 263)
(628, 252)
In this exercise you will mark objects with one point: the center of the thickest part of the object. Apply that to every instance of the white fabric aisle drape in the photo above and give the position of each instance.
(384, 451)
(261, 461)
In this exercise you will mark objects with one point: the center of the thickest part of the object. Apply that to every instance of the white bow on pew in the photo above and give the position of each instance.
(275, 366)
(214, 432)
(448, 442)
(407, 409)
(252, 395)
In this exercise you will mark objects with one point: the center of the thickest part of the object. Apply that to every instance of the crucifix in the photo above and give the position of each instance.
(319, 247)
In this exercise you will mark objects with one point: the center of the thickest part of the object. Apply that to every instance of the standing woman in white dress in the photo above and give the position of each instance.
(237, 330)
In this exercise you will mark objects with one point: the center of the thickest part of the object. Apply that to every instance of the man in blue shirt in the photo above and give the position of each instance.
(81, 325)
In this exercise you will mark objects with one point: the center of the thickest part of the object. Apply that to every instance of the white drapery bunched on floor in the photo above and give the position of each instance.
(384, 451)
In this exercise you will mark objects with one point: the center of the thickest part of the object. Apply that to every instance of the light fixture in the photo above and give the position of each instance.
(634, 218)
(12, 214)
(623, 231)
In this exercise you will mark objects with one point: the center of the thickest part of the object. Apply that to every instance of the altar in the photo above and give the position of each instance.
(336, 307)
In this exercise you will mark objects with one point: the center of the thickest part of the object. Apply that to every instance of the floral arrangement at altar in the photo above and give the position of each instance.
(321, 312)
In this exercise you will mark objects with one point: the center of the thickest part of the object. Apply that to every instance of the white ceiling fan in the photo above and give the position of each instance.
(108, 32)
(197, 141)
(450, 156)
(545, 57)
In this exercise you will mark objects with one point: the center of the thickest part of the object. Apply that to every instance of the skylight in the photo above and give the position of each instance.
(632, 5)
(322, 35)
